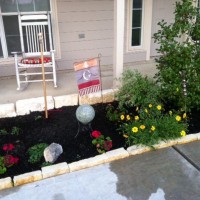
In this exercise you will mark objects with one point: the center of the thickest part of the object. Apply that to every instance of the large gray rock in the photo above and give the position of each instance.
(52, 152)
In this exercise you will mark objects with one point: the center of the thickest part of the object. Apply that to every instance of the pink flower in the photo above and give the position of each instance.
(10, 160)
(107, 145)
(96, 134)
(8, 147)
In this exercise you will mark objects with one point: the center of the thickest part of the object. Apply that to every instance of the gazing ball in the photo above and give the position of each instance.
(85, 114)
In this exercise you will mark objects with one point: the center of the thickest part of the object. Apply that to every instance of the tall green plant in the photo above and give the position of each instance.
(179, 56)
(137, 90)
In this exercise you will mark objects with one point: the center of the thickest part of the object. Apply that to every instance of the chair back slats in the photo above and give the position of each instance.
(31, 27)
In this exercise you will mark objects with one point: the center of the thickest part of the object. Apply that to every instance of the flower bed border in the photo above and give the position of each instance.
(11, 110)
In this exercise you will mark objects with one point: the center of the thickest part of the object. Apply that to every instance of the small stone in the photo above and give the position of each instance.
(52, 152)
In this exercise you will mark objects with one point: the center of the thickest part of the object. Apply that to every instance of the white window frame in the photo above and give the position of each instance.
(129, 40)
(55, 30)
(146, 29)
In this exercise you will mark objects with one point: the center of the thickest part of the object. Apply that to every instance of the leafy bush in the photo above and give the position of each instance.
(179, 56)
(140, 114)
(137, 90)
(15, 131)
(102, 144)
(8, 160)
(36, 152)
(152, 125)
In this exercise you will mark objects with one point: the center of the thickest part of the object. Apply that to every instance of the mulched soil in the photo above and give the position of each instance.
(61, 127)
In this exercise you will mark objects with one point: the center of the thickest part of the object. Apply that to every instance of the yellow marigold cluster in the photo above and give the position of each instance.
(135, 129)
(137, 118)
(153, 128)
(159, 107)
(183, 133)
(178, 118)
(142, 127)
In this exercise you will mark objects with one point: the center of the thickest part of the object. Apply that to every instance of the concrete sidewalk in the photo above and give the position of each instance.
(166, 174)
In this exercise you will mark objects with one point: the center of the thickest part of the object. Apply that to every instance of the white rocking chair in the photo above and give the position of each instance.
(30, 64)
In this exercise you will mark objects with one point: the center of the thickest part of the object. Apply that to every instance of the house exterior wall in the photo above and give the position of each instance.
(94, 20)
(162, 9)
(86, 29)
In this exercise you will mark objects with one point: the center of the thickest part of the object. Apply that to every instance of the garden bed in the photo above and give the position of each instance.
(61, 127)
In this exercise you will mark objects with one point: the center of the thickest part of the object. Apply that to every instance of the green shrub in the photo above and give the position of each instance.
(36, 152)
(137, 90)
(179, 56)
(3, 132)
(152, 125)
(15, 131)
(140, 114)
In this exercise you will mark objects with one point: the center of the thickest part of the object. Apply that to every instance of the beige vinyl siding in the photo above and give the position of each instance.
(94, 20)
(162, 9)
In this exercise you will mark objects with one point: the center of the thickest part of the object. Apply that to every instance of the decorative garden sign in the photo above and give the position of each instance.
(88, 76)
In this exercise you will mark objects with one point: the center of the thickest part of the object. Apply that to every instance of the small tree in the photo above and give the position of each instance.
(180, 56)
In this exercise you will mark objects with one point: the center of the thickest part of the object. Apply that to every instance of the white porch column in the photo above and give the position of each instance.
(147, 26)
(119, 17)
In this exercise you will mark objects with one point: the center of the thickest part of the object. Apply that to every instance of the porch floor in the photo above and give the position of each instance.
(66, 81)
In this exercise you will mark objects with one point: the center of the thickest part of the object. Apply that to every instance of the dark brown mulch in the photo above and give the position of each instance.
(61, 127)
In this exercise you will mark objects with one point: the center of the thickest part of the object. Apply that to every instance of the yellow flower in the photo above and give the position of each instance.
(153, 128)
(159, 107)
(170, 112)
(146, 111)
(135, 129)
(122, 117)
(183, 133)
(178, 118)
(136, 118)
(128, 117)
(126, 136)
(142, 127)
(184, 115)
(150, 105)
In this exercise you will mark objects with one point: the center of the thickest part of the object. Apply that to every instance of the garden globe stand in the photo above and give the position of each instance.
(84, 115)
(84, 128)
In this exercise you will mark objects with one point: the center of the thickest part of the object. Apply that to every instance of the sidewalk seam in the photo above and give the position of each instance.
(186, 158)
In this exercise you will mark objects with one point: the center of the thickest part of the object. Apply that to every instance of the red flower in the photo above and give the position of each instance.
(107, 145)
(8, 147)
(10, 160)
(96, 134)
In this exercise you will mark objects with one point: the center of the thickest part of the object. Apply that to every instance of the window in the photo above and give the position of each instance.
(136, 20)
(9, 25)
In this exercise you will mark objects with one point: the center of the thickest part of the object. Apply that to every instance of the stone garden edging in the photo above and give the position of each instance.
(62, 168)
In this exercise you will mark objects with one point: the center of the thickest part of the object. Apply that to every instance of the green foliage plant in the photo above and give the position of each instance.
(2, 166)
(179, 50)
(15, 130)
(3, 132)
(101, 142)
(141, 116)
(38, 117)
(152, 125)
(136, 90)
(36, 152)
